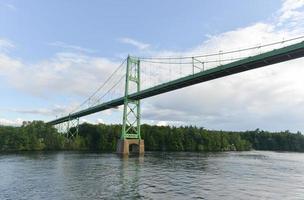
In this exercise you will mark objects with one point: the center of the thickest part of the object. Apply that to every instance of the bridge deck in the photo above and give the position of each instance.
(261, 60)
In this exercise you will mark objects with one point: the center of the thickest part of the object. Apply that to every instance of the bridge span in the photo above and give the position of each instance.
(131, 100)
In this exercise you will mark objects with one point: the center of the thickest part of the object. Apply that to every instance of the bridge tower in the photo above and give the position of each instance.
(130, 135)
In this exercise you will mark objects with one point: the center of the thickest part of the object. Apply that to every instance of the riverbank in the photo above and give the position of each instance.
(37, 136)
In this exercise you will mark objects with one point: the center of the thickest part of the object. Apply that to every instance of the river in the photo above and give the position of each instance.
(79, 175)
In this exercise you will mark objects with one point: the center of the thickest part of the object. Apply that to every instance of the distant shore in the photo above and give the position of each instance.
(38, 136)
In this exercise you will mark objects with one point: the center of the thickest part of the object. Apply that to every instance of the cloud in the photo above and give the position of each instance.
(64, 74)
(53, 111)
(71, 47)
(135, 43)
(269, 98)
(97, 121)
(162, 123)
(100, 121)
(9, 6)
(5, 45)
(167, 123)
(7, 122)
(291, 10)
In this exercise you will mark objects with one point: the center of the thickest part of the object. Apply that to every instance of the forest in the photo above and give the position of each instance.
(37, 136)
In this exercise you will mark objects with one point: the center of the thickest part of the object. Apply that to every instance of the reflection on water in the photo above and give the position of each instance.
(157, 175)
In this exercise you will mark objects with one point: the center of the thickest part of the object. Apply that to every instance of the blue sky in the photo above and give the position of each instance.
(98, 25)
(40, 38)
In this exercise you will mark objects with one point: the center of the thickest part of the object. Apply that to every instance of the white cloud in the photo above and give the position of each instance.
(291, 13)
(7, 122)
(5, 45)
(97, 121)
(65, 46)
(55, 110)
(269, 98)
(162, 123)
(135, 43)
(64, 74)
(290, 9)
(100, 121)
(70, 75)
(9, 6)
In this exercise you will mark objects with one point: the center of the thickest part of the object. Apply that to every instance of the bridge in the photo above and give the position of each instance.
(135, 83)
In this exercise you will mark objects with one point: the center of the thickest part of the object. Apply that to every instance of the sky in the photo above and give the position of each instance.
(54, 54)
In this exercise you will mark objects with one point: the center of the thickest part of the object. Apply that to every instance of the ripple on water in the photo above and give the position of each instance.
(229, 175)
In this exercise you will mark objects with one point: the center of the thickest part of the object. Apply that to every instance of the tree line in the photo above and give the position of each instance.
(40, 136)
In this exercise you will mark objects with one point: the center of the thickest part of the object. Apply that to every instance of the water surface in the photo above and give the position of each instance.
(76, 175)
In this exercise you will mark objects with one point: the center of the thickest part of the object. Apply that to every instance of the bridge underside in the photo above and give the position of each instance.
(261, 60)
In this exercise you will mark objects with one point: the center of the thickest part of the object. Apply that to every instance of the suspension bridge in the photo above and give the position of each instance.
(138, 78)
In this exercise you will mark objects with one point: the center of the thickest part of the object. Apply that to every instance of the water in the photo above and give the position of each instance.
(75, 175)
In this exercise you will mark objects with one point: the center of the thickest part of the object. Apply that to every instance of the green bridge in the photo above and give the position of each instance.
(131, 99)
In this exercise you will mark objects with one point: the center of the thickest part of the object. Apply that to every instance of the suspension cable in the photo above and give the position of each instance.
(100, 87)
(167, 60)
(190, 62)
(222, 53)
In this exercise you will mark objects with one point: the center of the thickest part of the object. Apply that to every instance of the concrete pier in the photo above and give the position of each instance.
(134, 145)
